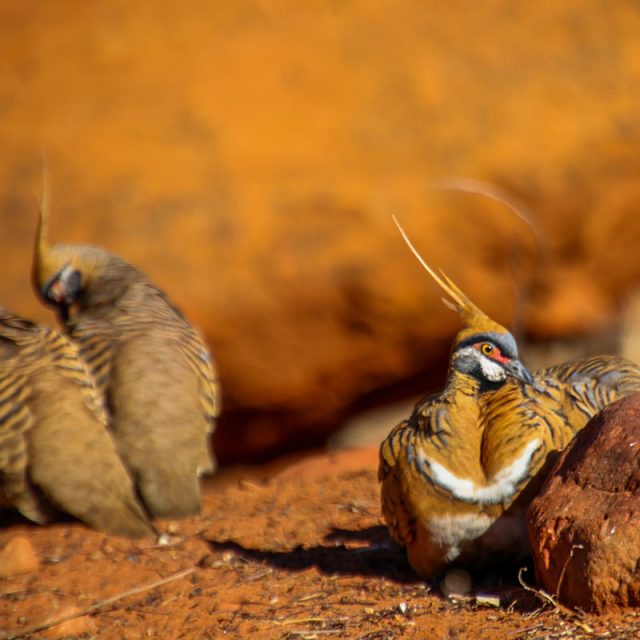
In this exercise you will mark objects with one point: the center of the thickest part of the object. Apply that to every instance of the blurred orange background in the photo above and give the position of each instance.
(248, 155)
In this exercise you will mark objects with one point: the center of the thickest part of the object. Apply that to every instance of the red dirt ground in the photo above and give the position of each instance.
(295, 551)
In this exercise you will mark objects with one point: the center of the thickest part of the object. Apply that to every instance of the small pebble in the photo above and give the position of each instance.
(486, 600)
(457, 582)
(164, 540)
(18, 556)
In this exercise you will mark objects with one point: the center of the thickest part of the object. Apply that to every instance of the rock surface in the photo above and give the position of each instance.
(584, 526)
(248, 154)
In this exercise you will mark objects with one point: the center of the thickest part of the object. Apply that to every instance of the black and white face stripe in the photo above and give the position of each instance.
(490, 358)
(504, 341)
(63, 290)
(471, 361)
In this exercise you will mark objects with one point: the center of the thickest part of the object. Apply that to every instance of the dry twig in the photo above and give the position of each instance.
(52, 622)
(548, 598)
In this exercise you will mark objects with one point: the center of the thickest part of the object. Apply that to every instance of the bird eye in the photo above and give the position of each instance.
(487, 349)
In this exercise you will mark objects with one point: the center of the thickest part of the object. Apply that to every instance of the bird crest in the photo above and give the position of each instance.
(475, 320)
(42, 267)
(47, 260)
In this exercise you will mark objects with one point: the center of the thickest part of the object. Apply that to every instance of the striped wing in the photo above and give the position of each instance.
(200, 360)
(560, 403)
(20, 349)
(26, 351)
(66, 358)
(54, 445)
(584, 387)
(517, 439)
(429, 421)
(96, 349)
(204, 368)
(397, 509)
(97, 341)
(403, 437)
(15, 422)
(401, 469)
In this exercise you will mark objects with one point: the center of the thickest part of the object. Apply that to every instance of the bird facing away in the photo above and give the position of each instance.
(458, 474)
(55, 450)
(153, 369)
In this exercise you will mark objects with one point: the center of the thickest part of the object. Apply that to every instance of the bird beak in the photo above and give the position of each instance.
(517, 370)
(65, 286)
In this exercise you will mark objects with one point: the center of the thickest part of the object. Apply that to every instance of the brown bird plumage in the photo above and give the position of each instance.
(458, 475)
(155, 373)
(55, 450)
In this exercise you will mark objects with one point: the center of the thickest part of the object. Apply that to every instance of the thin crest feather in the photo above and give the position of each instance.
(43, 214)
(449, 304)
(501, 196)
(41, 249)
(460, 302)
(521, 288)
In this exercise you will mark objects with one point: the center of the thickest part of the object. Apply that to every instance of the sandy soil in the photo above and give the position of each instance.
(292, 552)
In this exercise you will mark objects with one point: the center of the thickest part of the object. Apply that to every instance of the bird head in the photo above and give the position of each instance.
(483, 349)
(55, 273)
(68, 275)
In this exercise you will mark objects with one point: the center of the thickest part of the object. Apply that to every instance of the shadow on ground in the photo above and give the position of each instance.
(365, 552)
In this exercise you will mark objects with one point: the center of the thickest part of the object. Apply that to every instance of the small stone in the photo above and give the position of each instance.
(82, 625)
(403, 607)
(18, 556)
(457, 582)
(164, 540)
(486, 600)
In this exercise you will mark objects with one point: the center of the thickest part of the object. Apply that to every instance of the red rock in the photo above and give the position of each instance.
(18, 556)
(584, 526)
(261, 202)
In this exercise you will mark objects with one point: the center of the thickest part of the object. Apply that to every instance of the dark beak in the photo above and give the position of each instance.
(63, 312)
(517, 370)
(63, 290)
